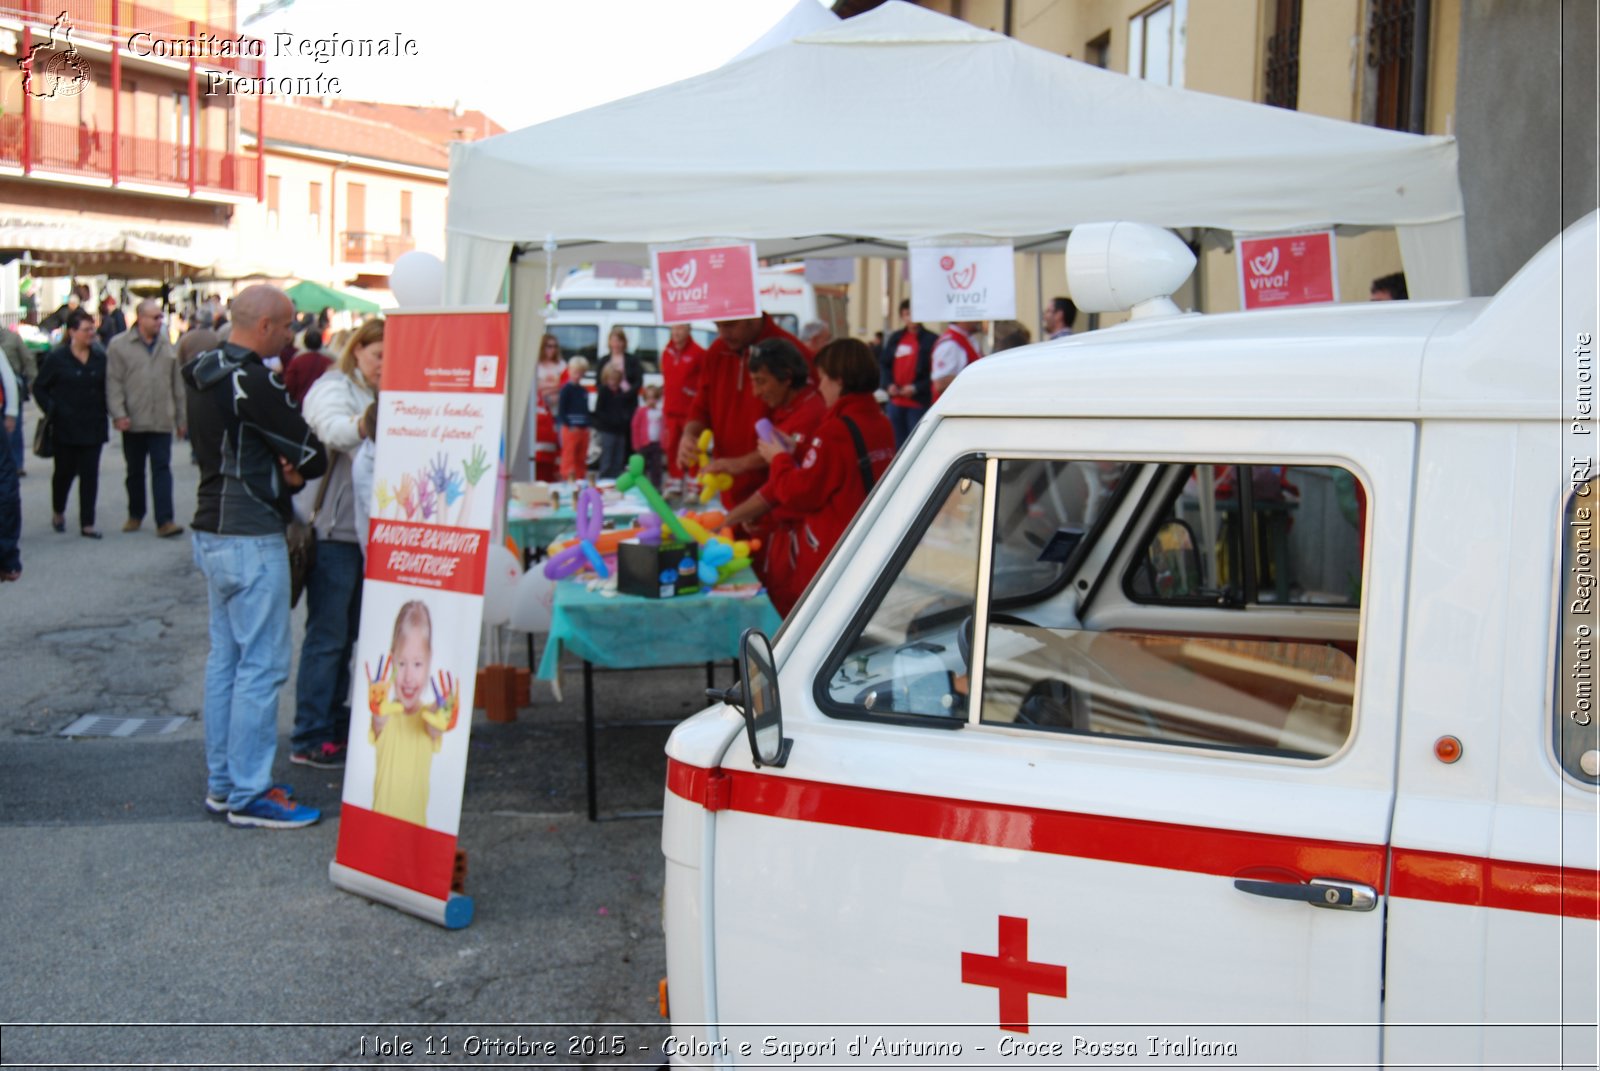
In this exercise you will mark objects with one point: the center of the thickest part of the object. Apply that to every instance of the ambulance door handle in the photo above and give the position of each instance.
(1318, 892)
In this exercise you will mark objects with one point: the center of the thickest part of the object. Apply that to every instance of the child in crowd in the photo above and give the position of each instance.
(614, 407)
(647, 426)
(407, 729)
(572, 420)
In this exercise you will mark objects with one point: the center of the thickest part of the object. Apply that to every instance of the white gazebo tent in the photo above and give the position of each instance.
(901, 125)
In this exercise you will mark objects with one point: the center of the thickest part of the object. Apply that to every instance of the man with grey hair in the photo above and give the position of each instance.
(255, 451)
(816, 335)
(145, 395)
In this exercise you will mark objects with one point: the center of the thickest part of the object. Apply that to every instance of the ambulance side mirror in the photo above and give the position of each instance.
(763, 717)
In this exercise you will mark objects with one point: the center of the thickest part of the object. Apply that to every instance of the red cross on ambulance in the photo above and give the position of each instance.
(1013, 975)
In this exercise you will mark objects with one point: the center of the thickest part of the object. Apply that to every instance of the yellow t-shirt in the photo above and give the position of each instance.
(405, 755)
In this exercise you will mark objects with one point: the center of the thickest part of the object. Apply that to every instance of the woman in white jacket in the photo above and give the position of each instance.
(334, 407)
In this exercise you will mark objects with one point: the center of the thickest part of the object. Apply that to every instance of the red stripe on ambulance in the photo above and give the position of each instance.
(1418, 875)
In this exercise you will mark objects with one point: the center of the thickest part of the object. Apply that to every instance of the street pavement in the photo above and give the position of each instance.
(124, 902)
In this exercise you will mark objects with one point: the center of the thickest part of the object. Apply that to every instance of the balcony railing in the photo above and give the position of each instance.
(367, 247)
(86, 150)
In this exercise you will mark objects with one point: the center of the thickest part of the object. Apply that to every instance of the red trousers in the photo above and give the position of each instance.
(574, 454)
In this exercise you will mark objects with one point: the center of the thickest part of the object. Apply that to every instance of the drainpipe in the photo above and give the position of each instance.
(27, 103)
(194, 112)
(116, 96)
(333, 209)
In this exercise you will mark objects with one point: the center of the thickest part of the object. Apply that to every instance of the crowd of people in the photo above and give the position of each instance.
(219, 381)
(801, 427)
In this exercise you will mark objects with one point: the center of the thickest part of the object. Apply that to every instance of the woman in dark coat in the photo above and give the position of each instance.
(71, 391)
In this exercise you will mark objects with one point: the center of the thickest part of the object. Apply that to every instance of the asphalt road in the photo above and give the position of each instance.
(125, 903)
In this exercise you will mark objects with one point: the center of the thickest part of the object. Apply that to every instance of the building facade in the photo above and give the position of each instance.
(1514, 83)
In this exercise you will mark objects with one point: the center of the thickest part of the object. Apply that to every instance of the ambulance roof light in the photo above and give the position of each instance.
(1122, 265)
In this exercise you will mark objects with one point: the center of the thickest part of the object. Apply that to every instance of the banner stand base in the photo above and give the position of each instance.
(452, 913)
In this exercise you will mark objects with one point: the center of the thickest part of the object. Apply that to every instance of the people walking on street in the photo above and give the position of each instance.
(334, 407)
(20, 360)
(144, 392)
(255, 450)
(71, 392)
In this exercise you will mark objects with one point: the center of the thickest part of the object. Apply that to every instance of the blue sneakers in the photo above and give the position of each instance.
(274, 810)
(218, 805)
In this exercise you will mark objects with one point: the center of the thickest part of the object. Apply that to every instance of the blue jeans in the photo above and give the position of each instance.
(157, 446)
(333, 617)
(10, 516)
(19, 451)
(248, 581)
(903, 418)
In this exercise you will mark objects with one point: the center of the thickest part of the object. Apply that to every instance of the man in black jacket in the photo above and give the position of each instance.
(254, 451)
(906, 373)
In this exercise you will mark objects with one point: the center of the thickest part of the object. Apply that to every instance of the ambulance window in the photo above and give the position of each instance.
(905, 654)
(1156, 676)
(1305, 523)
(1577, 739)
(1046, 514)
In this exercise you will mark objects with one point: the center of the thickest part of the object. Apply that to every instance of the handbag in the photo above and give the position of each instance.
(301, 538)
(44, 438)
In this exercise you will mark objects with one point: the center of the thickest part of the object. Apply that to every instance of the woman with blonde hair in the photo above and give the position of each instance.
(334, 407)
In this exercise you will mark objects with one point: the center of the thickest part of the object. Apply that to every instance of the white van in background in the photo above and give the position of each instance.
(587, 307)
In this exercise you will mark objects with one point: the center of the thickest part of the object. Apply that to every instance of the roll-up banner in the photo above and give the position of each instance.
(441, 413)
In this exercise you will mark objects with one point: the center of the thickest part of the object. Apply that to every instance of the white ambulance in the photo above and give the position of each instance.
(1204, 690)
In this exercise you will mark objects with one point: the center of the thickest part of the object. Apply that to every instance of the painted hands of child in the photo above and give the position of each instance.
(407, 495)
(385, 497)
(378, 683)
(439, 472)
(447, 697)
(452, 489)
(426, 500)
(476, 466)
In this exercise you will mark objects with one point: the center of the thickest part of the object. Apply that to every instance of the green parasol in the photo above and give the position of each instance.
(314, 297)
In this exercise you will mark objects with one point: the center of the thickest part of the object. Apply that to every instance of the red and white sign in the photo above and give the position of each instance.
(441, 413)
(712, 282)
(963, 282)
(1287, 269)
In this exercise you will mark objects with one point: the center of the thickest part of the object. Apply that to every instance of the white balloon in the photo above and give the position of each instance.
(500, 585)
(536, 594)
(417, 280)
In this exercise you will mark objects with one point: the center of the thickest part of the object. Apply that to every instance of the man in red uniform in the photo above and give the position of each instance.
(816, 495)
(726, 404)
(953, 352)
(680, 380)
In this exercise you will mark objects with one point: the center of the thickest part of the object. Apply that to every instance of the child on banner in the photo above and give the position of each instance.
(407, 731)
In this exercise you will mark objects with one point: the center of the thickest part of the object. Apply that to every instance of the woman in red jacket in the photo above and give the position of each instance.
(816, 492)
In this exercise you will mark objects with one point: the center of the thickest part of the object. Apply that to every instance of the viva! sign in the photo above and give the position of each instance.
(962, 282)
(1287, 269)
(441, 413)
(705, 282)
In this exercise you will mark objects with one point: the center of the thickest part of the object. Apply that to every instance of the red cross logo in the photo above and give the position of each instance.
(1013, 975)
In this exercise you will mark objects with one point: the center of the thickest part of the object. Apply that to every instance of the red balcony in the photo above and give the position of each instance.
(85, 150)
(366, 247)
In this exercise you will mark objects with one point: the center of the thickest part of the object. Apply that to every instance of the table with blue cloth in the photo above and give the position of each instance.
(621, 632)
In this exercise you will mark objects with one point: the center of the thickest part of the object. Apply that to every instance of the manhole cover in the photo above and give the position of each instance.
(109, 725)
